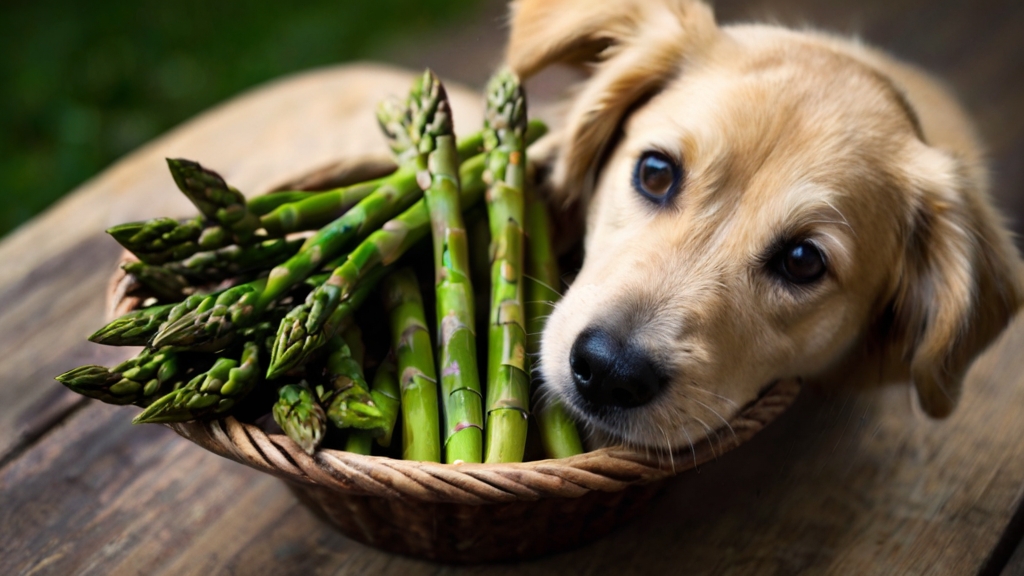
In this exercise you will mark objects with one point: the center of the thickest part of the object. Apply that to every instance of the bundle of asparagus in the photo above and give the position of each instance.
(242, 301)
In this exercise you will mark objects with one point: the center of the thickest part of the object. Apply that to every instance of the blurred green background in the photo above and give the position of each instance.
(86, 82)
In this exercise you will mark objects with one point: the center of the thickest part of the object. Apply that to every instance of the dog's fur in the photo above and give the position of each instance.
(782, 135)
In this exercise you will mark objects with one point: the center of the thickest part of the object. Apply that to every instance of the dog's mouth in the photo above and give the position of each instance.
(627, 425)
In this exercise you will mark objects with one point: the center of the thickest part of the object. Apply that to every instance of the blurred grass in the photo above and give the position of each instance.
(85, 82)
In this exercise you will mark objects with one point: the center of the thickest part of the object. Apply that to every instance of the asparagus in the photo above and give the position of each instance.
(300, 415)
(460, 385)
(139, 380)
(396, 193)
(234, 260)
(508, 381)
(316, 211)
(217, 201)
(213, 321)
(388, 397)
(264, 204)
(294, 344)
(212, 325)
(167, 285)
(135, 328)
(163, 240)
(384, 247)
(211, 393)
(558, 432)
(415, 359)
(347, 397)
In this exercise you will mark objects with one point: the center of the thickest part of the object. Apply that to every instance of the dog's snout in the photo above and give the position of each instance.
(608, 373)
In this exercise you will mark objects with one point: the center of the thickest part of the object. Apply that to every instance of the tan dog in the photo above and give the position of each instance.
(760, 203)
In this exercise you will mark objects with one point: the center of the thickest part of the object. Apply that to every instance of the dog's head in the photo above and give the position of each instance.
(759, 206)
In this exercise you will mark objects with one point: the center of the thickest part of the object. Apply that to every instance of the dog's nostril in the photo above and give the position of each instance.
(580, 368)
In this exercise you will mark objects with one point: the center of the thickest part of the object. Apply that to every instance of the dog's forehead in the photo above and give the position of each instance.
(777, 103)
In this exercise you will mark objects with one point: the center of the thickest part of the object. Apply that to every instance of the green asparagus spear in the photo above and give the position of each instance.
(135, 328)
(168, 286)
(508, 379)
(217, 201)
(415, 358)
(213, 323)
(384, 247)
(264, 204)
(234, 260)
(558, 432)
(139, 380)
(460, 381)
(209, 394)
(294, 344)
(318, 210)
(388, 397)
(163, 240)
(300, 415)
(347, 395)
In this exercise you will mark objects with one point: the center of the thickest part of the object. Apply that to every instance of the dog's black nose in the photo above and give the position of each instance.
(608, 373)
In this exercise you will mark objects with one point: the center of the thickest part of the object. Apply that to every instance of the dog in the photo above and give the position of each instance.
(760, 203)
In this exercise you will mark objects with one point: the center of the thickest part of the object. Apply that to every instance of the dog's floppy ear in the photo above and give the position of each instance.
(960, 284)
(635, 47)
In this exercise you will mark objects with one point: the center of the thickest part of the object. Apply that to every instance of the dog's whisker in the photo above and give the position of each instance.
(544, 284)
(706, 391)
(720, 417)
(693, 450)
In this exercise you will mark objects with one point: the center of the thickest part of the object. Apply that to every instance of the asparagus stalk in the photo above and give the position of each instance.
(460, 381)
(168, 286)
(319, 210)
(213, 321)
(212, 325)
(213, 392)
(234, 260)
(416, 373)
(347, 397)
(139, 380)
(163, 240)
(135, 328)
(300, 415)
(384, 247)
(508, 379)
(217, 201)
(264, 204)
(388, 397)
(294, 344)
(558, 432)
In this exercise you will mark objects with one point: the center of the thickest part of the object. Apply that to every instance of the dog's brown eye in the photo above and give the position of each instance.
(801, 262)
(656, 176)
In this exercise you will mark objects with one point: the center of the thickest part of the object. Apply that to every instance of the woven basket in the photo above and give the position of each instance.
(468, 513)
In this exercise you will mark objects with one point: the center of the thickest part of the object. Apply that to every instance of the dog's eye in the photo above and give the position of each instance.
(800, 262)
(656, 176)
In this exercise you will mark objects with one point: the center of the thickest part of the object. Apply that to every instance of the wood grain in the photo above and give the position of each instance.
(843, 483)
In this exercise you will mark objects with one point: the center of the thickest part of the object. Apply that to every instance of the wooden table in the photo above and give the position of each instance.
(842, 483)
